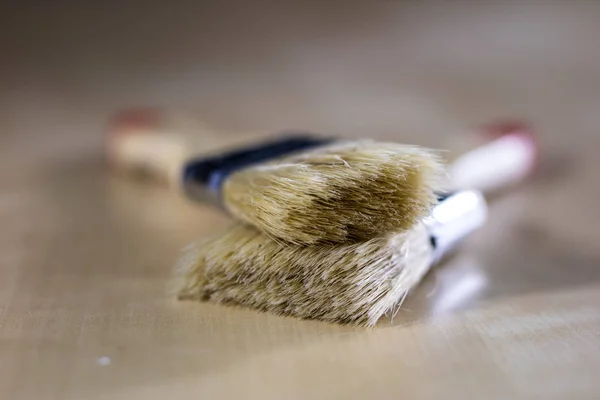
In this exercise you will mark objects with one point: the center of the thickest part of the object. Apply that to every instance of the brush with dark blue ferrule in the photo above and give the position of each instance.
(298, 188)
(303, 189)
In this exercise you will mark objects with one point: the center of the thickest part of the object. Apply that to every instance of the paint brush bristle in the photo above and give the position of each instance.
(351, 283)
(338, 193)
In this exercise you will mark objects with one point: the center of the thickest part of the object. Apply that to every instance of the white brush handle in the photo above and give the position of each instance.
(500, 163)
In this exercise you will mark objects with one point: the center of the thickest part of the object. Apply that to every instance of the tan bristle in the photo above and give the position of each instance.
(352, 283)
(340, 193)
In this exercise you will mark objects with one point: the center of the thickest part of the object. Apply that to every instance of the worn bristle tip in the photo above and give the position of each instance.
(349, 284)
(340, 193)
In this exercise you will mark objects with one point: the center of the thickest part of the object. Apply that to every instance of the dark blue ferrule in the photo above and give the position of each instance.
(211, 172)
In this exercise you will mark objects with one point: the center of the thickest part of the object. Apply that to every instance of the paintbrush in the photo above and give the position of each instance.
(303, 189)
(346, 283)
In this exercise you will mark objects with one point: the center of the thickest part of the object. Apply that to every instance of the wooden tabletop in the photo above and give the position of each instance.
(86, 254)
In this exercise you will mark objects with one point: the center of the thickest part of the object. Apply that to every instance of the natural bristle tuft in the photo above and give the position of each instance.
(339, 193)
(353, 283)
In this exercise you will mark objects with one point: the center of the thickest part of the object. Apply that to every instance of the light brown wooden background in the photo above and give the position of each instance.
(85, 254)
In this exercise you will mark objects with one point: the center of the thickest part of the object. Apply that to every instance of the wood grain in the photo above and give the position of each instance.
(85, 254)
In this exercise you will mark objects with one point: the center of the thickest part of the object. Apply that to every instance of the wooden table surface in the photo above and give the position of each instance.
(85, 254)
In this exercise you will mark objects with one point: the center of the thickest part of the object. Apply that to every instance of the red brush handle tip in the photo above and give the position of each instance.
(516, 129)
(130, 120)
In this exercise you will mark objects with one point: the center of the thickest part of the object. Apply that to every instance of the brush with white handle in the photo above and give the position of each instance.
(508, 157)
(354, 283)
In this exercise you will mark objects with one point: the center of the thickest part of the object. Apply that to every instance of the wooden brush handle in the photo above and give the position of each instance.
(151, 142)
(157, 143)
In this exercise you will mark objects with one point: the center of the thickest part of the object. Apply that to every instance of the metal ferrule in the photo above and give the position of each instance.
(456, 216)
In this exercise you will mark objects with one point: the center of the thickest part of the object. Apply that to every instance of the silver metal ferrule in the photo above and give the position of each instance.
(454, 218)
